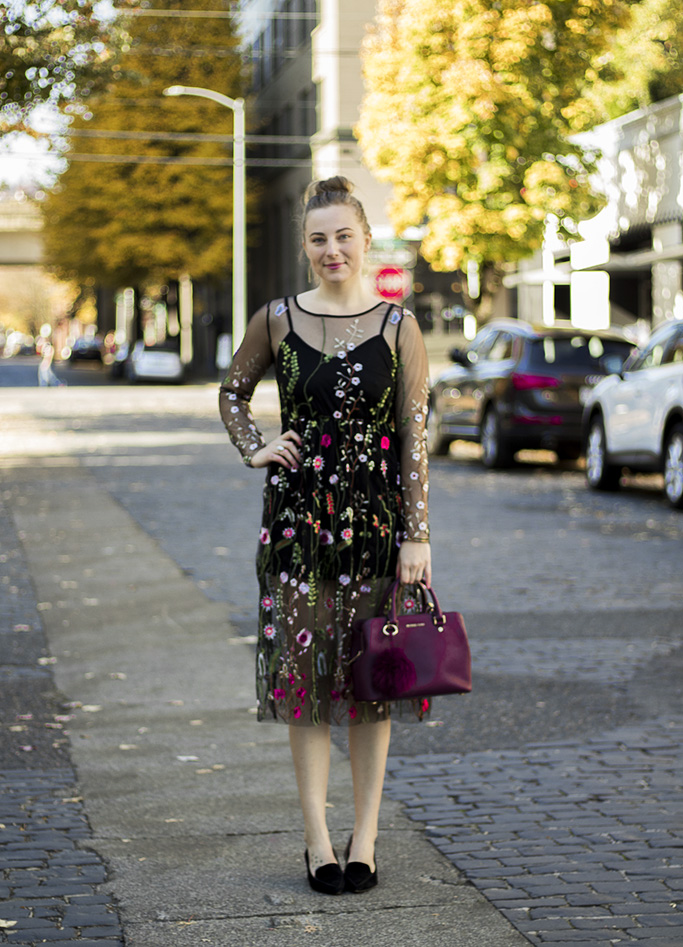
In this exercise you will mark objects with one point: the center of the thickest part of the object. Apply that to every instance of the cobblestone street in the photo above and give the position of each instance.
(577, 843)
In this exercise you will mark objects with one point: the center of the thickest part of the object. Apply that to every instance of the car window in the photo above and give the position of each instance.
(650, 357)
(501, 347)
(578, 353)
(480, 345)
(674, 350)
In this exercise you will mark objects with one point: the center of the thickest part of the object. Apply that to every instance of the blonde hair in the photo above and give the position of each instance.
(336, 190)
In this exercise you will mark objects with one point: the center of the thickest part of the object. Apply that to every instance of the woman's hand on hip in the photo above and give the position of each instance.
(283, 450)
(414, 563)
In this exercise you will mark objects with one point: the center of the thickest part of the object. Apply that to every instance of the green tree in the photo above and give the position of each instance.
(485, 97)
(135, 215)
(51, 51)
(644, 63)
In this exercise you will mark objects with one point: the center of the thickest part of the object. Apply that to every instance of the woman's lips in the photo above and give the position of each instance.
(333, 266)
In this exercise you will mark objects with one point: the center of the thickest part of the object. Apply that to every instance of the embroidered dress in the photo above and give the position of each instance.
(355, 389)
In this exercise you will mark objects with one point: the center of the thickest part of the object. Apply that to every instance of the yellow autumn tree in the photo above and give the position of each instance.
(484, 98)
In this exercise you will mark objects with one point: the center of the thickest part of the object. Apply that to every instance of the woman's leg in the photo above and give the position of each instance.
(368, 749)
(311, 755)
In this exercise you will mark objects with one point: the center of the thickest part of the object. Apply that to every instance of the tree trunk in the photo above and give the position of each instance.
(490, 281)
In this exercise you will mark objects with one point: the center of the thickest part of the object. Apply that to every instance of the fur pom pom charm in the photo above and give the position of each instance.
(393, 672)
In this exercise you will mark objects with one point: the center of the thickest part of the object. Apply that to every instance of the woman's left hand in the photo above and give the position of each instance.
(414, 563)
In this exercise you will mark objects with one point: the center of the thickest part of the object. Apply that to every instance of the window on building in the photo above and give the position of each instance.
(311, 19)
(267, 54)
(279, 41)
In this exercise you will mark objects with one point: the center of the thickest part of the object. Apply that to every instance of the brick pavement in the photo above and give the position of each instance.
(49, 881)
(50, 884)
(577, 843)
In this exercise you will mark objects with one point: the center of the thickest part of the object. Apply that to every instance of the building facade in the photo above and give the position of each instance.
(628, 268)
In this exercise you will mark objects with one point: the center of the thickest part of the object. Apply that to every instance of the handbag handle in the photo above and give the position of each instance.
(432, 607)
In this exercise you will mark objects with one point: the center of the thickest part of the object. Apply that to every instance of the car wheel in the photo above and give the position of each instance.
(495, 451)
(673, 467)
(600, 475)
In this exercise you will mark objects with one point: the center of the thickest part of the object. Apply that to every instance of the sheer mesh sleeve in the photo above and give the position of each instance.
(411, 424)
(251, 361)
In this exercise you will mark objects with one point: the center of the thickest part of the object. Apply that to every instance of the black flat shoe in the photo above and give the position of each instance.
(357, 875)
(329, 879)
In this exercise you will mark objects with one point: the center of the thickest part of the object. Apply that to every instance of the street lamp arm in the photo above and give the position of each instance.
(239, 241)
(234, 104)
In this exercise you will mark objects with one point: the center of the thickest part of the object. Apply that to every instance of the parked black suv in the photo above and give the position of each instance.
(519, 385)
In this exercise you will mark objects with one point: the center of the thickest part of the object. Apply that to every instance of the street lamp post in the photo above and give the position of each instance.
(239, 228)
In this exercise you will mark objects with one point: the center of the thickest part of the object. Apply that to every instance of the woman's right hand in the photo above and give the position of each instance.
(283, 450)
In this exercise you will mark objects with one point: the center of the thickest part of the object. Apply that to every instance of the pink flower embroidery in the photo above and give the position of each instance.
(347, 534)
(264, 537)
(385, 443)
(425, 705)
(344, 579)
(301, 694)
(297, 712)
(326, 440)
(366, 588)
(288, 532)
(267, 602)
(318, 462)
(326, 537)
(291, 679)
(279, 693)
(329, 603)
(304, 638)
(269, 631)
(353, 713)
(335, 695)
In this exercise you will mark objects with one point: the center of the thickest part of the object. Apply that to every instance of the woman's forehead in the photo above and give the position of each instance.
(332, 218)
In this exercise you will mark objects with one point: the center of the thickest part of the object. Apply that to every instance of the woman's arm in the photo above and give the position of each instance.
(251, 361)
(414, 561)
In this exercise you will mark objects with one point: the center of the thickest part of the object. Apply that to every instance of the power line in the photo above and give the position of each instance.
(166, 160)
(219, 14)
(185, 136)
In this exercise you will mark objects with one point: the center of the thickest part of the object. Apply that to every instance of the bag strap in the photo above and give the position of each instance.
(426, 591)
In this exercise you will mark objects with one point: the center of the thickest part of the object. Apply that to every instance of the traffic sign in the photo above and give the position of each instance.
(393, 283)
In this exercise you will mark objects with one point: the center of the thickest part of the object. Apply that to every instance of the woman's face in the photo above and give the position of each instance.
(334, 243)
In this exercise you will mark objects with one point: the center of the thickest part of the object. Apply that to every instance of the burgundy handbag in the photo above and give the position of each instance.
(421, 655)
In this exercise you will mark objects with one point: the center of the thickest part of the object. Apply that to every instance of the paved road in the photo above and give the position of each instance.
(556, 786)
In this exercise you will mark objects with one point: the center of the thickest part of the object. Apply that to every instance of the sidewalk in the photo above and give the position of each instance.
(191, 806)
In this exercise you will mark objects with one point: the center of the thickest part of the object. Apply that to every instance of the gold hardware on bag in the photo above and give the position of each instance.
(390, 629)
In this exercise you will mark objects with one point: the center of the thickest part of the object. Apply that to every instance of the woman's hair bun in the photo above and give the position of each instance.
(336, 185)
(327, 193)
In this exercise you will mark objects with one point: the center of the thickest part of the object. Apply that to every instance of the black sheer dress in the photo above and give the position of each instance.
(355, 389)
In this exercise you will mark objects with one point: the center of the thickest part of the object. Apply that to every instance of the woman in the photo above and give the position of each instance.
(345, 509)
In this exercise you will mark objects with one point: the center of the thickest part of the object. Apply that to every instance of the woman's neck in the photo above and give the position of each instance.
(335, 300)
